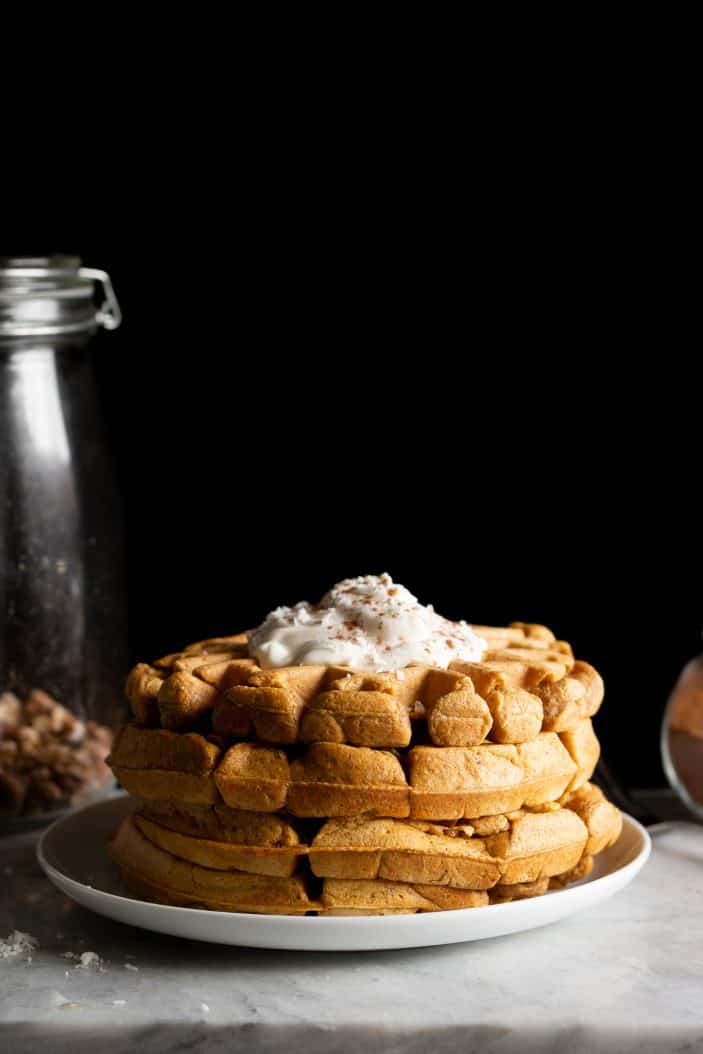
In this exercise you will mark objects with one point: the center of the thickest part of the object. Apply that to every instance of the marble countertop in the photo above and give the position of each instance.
(625, 976)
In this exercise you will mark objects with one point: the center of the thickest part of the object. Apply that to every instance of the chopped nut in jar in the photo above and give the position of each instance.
(49, 758)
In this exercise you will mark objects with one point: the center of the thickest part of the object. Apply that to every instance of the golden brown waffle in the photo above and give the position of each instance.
(219, 823)
(332, 779)
(221, 856)
(525, 855)
(375, 897)
(154, 874)
(601, 817)
(154, 763)
(583, 868)
(533, 845)
(403, 851)
(452, 783)
(527, 683)
(503, 894)
(521, 847)
(218, 837)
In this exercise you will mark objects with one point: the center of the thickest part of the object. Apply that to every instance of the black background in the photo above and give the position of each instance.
(500, 411)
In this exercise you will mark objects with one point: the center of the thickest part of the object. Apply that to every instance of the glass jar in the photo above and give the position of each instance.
(682, 737)
(62, 581)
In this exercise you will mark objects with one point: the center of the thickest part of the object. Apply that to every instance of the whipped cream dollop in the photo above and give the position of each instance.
(370, 623)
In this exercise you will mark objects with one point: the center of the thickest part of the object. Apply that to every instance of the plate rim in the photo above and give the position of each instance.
(419, 919)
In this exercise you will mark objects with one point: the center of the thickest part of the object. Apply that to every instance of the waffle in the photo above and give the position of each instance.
(364, 897)
(221, 824)
(368, 897)
(525, 846)
(601, 817)
(367, 867)
(532, 845)
(155, 763)
(339, 791)
(503, 894)
(583, 868)
(527, 683)
(225, 839)
(452, 783)
(154, 874)
(331, 779)
(445, 783)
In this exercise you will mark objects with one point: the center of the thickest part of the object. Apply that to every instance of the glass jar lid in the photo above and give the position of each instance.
(47, 295)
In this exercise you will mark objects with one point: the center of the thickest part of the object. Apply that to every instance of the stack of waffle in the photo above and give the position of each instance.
(320, 789)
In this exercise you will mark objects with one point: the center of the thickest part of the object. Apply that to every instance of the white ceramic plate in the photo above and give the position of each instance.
(72, 853)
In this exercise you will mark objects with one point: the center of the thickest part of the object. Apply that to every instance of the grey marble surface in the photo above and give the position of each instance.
(625, 976)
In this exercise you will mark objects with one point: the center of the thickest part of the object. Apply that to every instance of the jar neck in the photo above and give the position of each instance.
(54, 296)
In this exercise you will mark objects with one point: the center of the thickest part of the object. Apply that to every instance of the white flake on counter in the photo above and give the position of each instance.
(18, 944)
(90, 961)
